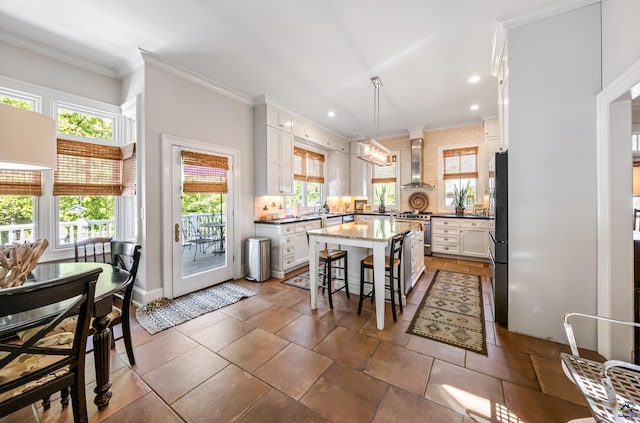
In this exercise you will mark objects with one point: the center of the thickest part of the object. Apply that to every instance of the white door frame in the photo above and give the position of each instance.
(233, 245)
(609, 248)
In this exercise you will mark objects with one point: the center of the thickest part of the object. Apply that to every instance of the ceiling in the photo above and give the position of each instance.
(311, 56)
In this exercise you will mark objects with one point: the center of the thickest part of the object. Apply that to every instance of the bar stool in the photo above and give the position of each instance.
(327, 258)
(392, 266)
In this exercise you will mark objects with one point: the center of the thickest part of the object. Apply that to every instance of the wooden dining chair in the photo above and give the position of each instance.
(45, 363)
(91, 249)
(126, 255)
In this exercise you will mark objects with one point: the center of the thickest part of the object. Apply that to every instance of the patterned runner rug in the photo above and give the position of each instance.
(300, 281)
(164, 313)
(452, 312)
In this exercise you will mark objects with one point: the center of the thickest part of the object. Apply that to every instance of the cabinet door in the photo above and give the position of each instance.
(474, 242)
(301, 248)
(286, 163)
(273, 162)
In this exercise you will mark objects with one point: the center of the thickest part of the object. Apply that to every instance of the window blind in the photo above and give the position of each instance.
(20, 182)
(460, 163)
(308, 165)
(129, 169)
(204, 172)
(87, 169)
(384, 174)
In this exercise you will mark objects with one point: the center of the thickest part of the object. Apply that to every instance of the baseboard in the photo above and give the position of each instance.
(142, 297)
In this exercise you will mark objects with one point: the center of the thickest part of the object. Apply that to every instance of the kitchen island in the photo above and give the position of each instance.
(372, 234)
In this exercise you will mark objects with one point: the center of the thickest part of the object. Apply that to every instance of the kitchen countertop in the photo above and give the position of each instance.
(464, 216)
(301, 218)
(370, 230)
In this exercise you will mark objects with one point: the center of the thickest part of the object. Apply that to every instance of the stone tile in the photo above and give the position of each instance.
(222, 398)
(345, 395)
(246, 307)
(464, 390)
(149, 408)
(201, 322)
(306, 331)
(395, 332)
(401, 406)
(274, 318)
(223, 333)
(177, 377)
(533, 406)
(276, 407)
(437, 349)
(526, 344)
(348, 347)
(126, 386)
(390, 363)
(553, 380)
(254, 349)
(349, 318)
(161, 350)
(506, 364)
(304, 306)
(289, 297)
(293, 370)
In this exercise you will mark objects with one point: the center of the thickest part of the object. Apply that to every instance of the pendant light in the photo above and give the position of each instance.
(370, 150)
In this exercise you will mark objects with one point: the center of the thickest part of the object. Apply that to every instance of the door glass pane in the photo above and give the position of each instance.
(204, 222)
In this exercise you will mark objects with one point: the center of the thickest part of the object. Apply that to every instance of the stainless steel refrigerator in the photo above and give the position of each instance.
(499, 235)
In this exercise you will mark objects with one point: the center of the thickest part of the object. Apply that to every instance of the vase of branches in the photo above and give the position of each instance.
(381, 195)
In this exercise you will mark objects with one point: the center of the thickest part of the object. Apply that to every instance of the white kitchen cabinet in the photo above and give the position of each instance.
(491, 138)
(273, 156)
(279, 118)
(289, 245)
(360, 173)
(338, 173)
(417, 255)
(474, 238)
(491, 128)
(460, 236)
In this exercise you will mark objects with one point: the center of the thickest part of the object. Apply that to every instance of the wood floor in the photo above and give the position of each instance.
(269, 358)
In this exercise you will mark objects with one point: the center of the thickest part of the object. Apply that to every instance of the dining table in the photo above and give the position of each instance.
(110, 280)
(374, 234)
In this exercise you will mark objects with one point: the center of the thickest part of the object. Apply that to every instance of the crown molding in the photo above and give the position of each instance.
(162, 64)
(56, 54)
(555, 9)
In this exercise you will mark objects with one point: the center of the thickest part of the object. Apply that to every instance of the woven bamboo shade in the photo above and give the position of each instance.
(87, 169)
(204, 172)
(20, 182)
(129, 169)
(460, 163)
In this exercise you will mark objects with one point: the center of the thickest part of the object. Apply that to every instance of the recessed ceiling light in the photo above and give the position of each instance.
(474, 107)
(473, 79)
(331, 113)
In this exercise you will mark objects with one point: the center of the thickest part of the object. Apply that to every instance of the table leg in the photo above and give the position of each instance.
(101, 351)
(313, 272)
(378, 272)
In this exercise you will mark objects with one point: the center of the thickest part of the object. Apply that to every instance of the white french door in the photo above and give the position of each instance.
(202, 221)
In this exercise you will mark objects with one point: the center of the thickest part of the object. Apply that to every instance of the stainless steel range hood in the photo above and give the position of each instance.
(416, 165)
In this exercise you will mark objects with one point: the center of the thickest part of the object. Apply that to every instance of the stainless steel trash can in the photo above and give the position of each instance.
(258, 259)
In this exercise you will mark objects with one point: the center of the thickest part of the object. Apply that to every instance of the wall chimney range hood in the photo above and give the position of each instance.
(416, 165)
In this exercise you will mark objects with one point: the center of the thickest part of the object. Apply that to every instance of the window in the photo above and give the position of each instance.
(460, 167)
(18, 189)
(308, 178)
(385, 175)
(84, 124)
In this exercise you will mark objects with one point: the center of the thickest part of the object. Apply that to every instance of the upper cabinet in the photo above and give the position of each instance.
(279, 118)
(338, 173)
(491, 137)
(273, 154)
(360, 173)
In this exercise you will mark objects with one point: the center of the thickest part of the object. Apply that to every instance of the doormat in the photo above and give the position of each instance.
(164, 313)
(302, 280)
(452, 312)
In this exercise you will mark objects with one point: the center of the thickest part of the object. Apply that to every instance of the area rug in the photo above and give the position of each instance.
(452, 312)
(164, 313)
(301, 280)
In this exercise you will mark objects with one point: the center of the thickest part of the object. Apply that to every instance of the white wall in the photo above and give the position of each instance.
(554, 76)
(175, 106)
(27, 66)
(620, 46)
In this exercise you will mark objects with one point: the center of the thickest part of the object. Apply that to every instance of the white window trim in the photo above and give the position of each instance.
(371, 196)
(482, 173)
(47, 101)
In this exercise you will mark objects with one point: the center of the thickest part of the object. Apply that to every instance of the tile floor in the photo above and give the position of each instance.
(269, 358)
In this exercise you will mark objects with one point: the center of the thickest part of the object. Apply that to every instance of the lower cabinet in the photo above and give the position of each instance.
(460, 236)
(289, 245)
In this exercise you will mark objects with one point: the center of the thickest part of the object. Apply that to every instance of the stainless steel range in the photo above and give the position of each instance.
(425, 218)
